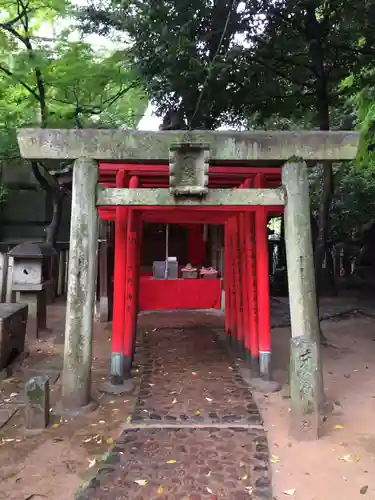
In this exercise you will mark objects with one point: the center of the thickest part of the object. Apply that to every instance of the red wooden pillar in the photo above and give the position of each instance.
(137, 280)
(234, 281)
(252, 291)
(132, 278)
(119, 285)
(244, 291)
(263, 289)
(227, 280)
(244, 273)
(238, 284)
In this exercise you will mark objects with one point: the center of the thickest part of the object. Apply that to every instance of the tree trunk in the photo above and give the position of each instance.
(53, 228)
(316, 39)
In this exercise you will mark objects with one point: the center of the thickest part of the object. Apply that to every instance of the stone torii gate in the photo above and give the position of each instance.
(189, 154)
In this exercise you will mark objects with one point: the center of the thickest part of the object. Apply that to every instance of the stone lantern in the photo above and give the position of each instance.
(32, 275)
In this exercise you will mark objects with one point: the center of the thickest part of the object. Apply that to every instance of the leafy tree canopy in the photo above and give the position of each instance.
(56, 82)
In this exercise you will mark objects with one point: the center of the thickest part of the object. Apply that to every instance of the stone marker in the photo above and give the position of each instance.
(37, 402)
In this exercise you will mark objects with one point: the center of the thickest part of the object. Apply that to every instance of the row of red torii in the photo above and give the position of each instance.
(233, 178)
(246, 249)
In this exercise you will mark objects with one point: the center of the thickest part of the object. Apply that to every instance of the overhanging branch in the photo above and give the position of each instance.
(24, 84)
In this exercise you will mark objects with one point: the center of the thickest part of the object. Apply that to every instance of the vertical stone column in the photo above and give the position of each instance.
(76, 377)
(305, 365)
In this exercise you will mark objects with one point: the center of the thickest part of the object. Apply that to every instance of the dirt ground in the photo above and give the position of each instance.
(341, 464)
(53, 463)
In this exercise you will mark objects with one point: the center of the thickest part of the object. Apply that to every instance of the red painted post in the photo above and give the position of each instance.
(131, 285)
(238, 285)
(227, 281)
(137, 278)
(253, 299)
(244, 285)
(263, 289)
(119, 284)
(234, 282)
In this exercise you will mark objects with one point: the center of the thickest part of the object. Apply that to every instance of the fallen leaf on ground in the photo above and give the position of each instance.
(141, 482)
(363, 490)
(160, 490)
(110, 441)
(171, 461)
(338, 426)
(198, 412)
(275, 459)
(290, 492)
(357, 458)
(55, 426)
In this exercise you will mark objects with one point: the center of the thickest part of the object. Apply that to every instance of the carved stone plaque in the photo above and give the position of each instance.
(188, 168)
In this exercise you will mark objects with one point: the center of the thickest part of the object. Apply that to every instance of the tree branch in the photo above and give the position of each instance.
(24, 85)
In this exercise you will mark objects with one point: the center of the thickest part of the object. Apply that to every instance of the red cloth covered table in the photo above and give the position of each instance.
(179, 294)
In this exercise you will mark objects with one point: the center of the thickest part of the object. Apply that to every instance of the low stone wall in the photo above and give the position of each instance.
(13, 321)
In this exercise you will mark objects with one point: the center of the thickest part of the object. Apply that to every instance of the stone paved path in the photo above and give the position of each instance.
(196, 432)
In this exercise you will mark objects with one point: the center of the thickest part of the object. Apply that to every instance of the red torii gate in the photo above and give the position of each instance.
(247, 303)
(189, 154)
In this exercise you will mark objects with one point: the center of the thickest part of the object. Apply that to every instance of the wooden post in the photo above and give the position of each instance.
(235, 285)
(244, 286)
(263, 286)
(131, 285)
(306, 382)
(3, 276)
(253, 299)
(119, 299)
(10, 295)
(103, 273)
(227, 281)
(76, 377)
(139, 224)
(61, 275)
(239, 286)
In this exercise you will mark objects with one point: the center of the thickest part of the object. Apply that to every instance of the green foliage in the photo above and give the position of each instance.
(188, 52)
(59, 83)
